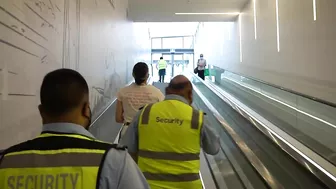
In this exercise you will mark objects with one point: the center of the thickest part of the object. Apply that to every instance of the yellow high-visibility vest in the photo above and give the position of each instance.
(162, 64)
(54, 161)
(169, 145)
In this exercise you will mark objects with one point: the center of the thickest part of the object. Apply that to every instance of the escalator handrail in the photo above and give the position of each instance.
(323, 169)
(249, 154)
(296, 109)
(328, 103)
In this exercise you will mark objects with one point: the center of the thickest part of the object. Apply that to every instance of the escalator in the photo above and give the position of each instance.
(273, 168)
(248, 158)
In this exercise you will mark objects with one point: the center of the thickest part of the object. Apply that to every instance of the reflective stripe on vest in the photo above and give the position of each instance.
(53, 161)
(170, 157)
(162, 64)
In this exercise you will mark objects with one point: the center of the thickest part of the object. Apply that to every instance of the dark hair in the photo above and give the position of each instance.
(140, 71)
(62, 90)
(161, 58)
(179, 86)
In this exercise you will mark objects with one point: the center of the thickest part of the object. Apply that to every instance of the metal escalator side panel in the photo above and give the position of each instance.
(314, 163)
(254, 160)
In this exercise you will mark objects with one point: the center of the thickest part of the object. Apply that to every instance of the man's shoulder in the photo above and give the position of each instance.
(116, 148)
(116, 154)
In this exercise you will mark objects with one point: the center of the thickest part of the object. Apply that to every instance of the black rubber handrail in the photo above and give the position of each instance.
(284, 89)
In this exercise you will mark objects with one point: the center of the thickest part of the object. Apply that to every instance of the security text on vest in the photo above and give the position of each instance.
(45, 181)
(169, 120)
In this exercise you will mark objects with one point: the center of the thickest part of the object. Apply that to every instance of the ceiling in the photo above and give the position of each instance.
(164, 10)
(160, 29)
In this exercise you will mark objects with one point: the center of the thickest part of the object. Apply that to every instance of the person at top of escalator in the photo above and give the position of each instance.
(131, 98)
(201, 64)
(165, 139)
(162, 66)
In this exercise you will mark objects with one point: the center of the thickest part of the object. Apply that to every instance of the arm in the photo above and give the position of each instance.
(209, 139)
(161, 96)
(119, 118)
(120, 171)
(131, 137)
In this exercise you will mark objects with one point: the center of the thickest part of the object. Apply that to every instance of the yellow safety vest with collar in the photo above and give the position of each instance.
(169, 145)
(54, 161)
(162, 64)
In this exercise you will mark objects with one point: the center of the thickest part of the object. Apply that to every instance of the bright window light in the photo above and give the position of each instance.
(255, 19)
(314, 9)
(240, 38)
(211, 13)
(277, 22)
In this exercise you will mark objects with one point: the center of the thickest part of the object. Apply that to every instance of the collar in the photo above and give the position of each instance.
(67, 128)
(176, 97)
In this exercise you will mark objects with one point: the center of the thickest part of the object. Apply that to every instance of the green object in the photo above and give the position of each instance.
(206, 72)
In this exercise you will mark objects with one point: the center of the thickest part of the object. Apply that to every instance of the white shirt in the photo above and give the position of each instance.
(201, 63)
(134, 96)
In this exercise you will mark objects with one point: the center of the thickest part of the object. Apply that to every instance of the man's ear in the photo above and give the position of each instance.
(40, 108)
(190, 95)
(42, 113)
(167, 90)
(86, 110)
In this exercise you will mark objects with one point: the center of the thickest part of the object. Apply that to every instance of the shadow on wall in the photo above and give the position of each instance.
(101, 97)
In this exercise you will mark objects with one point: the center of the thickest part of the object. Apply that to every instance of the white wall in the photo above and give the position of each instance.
(305, 62)
(37, 36)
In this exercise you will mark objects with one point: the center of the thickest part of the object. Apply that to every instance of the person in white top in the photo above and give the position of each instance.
(135, 96)
(201, 63)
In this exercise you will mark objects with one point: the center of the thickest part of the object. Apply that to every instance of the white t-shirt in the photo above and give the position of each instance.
(201, 63)
(136, 96)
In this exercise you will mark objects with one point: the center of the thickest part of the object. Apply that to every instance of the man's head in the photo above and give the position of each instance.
(180, 85)
(65, 98)
(140, 73)
(161, 58)
(201, 56)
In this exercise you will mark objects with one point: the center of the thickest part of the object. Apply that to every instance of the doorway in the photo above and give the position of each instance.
(178, 63)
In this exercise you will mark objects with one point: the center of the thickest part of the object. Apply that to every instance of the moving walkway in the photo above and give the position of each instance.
(255, 153)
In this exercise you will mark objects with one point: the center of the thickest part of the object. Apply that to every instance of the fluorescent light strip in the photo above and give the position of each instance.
(211, 13)
(240, 39)
(314, 9)
(255, 19)
(277, 22)
(285, 104)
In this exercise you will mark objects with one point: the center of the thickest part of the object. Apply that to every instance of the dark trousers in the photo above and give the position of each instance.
(201, 74)
(162, 74)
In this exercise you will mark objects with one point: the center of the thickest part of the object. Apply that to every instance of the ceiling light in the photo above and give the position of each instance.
(211, 13)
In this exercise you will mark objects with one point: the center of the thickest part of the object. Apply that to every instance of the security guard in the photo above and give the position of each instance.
(165, 139)
(162, 65)
(66, 155)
